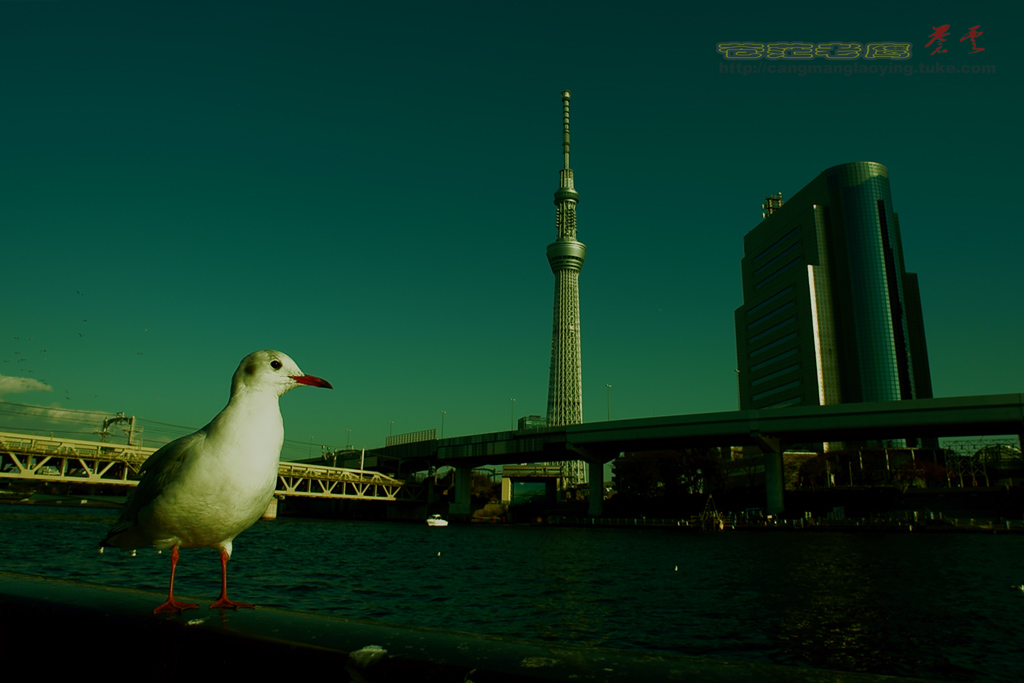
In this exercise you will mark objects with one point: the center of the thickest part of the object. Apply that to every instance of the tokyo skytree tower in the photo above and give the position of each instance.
(566, 255)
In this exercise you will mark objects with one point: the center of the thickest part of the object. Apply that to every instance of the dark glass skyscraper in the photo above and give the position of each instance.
(829, 314)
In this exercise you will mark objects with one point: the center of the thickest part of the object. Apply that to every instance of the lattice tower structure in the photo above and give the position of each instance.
(566, 256)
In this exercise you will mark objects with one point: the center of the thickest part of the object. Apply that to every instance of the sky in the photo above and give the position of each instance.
(370, 190)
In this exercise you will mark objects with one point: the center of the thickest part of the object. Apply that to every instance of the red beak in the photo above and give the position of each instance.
(312, 381)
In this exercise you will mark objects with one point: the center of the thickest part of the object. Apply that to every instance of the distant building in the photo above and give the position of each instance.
(532, 422)
(829, 314)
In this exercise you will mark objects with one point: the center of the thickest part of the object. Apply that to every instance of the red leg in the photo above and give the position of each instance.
(172, 606)
(222, 601)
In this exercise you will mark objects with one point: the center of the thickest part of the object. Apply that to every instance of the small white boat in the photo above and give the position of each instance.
(435, 520)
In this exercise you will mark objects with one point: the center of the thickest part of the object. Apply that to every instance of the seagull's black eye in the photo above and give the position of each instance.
(276, 364)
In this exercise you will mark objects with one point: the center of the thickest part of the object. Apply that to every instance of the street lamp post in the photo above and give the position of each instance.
(442, 423)
(512, 419)
(609, 388)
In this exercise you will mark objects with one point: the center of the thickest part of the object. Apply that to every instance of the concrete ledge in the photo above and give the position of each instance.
(62, 627)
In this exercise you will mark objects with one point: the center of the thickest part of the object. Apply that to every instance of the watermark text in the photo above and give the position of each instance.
(883, 69)
(807, 51)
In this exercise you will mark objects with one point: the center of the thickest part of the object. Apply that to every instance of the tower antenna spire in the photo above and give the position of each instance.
(565, 126)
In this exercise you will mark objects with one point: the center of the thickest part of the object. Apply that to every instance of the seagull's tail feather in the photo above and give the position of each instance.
(109, 541)
(124, 535)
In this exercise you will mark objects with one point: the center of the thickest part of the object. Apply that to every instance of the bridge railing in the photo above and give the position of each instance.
(28, 457)
(319, 481)
(540, 471)
(411, 437)
(292, 469)
(43, 445)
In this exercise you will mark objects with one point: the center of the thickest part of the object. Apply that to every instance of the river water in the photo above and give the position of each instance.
(938, 606)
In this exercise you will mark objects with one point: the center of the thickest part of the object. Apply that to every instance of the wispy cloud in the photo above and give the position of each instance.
(26, 418)
(20, 385)
(55, 412)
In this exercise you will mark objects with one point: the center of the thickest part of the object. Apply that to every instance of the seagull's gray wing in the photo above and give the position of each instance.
(159, 468)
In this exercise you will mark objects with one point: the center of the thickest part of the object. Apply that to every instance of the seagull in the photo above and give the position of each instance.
(202, 490)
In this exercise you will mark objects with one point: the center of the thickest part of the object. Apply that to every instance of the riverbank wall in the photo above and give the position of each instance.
(58, 628)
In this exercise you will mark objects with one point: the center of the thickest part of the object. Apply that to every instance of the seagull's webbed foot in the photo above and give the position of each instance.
(172, 606)
(224, 603)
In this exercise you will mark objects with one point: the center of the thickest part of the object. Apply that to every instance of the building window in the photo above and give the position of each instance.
(769, 264)
(777, 390)
(770, 300)
(778, 342)
(787, 402)
(777, 373)
(763, 318)
(773, 359)
(777, 273)
(774, 328)
(776, 243)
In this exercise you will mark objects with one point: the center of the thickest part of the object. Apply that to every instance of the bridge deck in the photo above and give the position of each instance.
(934, 417)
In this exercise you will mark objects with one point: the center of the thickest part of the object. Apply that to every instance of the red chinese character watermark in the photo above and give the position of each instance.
(940, 35)
(972, 34)
(941, 32)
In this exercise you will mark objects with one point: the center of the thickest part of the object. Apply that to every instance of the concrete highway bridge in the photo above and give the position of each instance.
(770, 430)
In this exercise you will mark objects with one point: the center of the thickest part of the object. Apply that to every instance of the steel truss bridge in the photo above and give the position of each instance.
(27, 458)
(977, 462)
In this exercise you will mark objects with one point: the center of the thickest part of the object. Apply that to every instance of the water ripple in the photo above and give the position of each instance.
(929, 606)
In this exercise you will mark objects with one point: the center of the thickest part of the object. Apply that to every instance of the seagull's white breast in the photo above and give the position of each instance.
(225, 482)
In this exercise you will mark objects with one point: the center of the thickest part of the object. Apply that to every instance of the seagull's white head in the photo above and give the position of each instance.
(271, 371)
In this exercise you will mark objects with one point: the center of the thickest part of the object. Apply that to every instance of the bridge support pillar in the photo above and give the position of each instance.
(463, 492)
(271, 512)
(595, 477)
(774, 485)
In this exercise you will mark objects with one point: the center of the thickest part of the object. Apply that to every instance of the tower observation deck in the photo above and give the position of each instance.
(566, 256)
